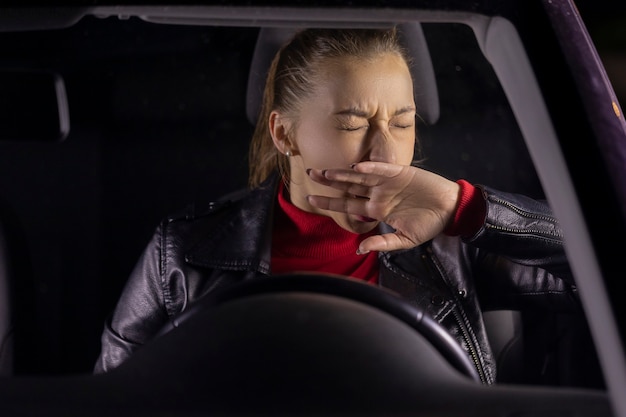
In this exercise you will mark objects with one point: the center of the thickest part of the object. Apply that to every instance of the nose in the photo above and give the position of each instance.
(381, 147)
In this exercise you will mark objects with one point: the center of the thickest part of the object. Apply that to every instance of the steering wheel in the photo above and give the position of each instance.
(298, 345)
(334, 293)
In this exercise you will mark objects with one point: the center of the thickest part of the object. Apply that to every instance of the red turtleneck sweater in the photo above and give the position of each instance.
(311, 242)
(308, 242)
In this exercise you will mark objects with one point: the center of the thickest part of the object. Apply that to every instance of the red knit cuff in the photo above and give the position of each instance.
(470, 213)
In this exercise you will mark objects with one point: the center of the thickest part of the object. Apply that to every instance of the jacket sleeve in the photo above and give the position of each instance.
(140, 312)
(520, 257)
(523, 230)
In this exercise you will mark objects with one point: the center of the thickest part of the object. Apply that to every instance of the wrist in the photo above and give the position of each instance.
(470, 212)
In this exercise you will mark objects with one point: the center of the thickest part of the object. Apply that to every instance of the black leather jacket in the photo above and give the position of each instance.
(512, 262)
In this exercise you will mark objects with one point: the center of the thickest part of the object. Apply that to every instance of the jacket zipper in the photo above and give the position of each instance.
(526, 214)
(533, 231)
(472, 349)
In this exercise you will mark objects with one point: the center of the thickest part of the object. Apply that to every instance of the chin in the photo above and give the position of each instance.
(357, 224)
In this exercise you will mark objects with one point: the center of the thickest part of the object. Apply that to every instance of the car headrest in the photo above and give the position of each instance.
(270, 40)
(33, 107)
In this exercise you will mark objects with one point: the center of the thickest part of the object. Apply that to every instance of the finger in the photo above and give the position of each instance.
(344, 205)
(317, 175)
(378, 168)
(385, 243)
(342, 181)
(352, 177)
(344, 175)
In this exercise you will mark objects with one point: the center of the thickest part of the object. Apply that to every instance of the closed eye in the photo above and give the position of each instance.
(403, 122)
(352, 128)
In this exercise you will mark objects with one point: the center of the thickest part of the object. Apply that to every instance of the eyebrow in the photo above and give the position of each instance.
(353, 111)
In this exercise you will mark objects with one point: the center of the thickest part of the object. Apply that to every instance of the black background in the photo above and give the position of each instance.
(606, 23)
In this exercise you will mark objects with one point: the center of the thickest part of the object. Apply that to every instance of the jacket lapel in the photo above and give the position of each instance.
(241, 240)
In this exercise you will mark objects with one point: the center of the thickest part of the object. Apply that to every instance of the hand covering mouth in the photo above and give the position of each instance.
(361, 218)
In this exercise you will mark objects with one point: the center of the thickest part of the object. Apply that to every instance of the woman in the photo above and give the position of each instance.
(333, 190)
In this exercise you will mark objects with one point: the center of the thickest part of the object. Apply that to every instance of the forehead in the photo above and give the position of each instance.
(353, 80)
(349, 64)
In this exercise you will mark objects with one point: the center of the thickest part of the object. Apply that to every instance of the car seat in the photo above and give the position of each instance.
(270, 39)
(6, 310)
(17, 327)
(35, 111)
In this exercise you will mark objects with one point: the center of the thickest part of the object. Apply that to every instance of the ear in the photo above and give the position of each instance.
(278, 130)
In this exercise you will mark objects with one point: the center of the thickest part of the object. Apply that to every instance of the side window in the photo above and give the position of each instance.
(476, 137)
(157, 116)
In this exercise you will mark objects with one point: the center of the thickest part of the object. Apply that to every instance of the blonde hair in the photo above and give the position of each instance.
(293, 76)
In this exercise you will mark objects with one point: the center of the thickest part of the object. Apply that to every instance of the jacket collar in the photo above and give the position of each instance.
(242, 239)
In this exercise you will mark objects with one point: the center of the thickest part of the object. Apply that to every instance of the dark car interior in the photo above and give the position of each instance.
(153, 117)
(159, 119)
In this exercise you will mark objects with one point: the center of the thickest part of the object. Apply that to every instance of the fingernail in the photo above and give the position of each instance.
(353, 165)
(324, 172)
(360, 252)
